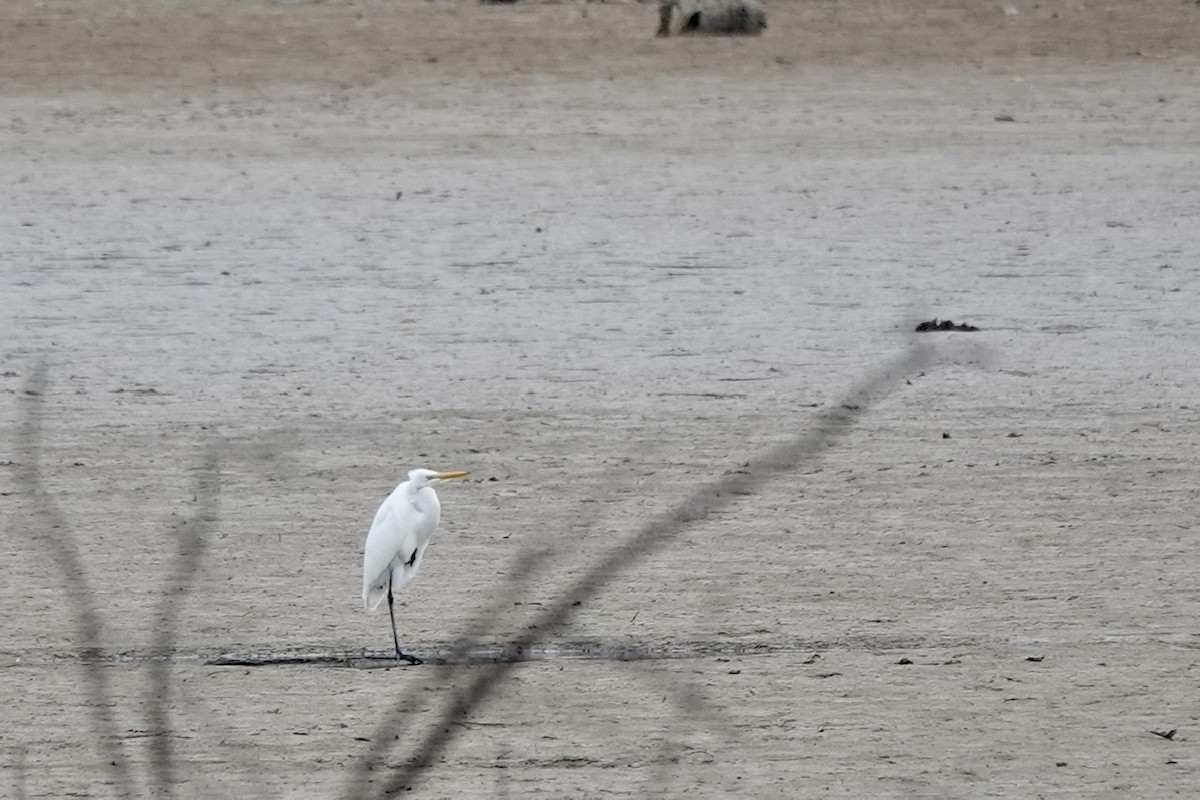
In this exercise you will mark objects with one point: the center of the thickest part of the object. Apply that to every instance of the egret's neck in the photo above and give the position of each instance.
(423, 499)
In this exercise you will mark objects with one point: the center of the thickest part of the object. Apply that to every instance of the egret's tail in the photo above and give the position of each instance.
(397, 575)
(373, 596)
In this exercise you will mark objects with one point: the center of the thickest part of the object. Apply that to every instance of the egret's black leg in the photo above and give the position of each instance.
(400, 656)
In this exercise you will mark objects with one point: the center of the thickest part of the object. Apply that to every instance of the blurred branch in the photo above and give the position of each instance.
(703, 502)
(52, 529)
(191, 535)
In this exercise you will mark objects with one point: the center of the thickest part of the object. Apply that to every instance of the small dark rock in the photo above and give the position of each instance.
(944, 325)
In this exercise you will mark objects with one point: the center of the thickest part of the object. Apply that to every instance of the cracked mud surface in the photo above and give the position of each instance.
(330, 242)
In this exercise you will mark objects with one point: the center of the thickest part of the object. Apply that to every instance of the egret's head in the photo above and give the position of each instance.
(421, 477)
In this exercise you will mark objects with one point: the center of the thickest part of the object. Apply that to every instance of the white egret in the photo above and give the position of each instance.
(396, 543)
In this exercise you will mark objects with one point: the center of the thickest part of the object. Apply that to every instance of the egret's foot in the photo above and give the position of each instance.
(404, 659)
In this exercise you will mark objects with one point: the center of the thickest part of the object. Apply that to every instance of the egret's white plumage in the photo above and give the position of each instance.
(396, 543)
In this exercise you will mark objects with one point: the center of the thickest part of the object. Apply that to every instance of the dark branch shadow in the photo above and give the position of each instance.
(54, 532)
(705, 501)
(191, 535)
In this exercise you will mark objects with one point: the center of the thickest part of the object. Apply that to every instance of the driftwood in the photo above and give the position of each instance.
(944, 325)
(711, 18)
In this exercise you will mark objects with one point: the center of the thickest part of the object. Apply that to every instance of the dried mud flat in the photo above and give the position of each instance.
(273, 255)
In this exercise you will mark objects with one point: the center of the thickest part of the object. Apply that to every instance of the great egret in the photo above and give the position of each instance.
(396, 543)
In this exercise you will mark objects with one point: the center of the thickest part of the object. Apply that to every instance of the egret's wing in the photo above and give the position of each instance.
(392, 538)
(404, 568)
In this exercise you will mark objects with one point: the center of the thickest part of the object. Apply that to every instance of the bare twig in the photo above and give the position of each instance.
(191, 536)
(651, 537)
(54, 531)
